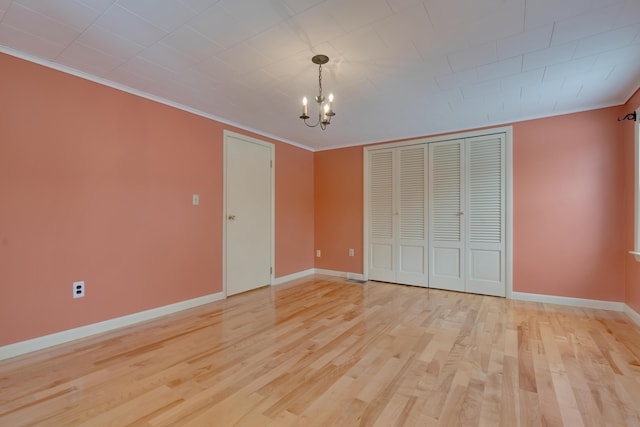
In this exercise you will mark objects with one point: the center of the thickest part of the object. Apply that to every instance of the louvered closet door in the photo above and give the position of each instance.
(382, 247)
(411, 209)
(485, 214)
(397, 215)
(446, 216)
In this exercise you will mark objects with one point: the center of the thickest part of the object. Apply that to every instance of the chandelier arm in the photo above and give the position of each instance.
(313, 125)
(323, 123)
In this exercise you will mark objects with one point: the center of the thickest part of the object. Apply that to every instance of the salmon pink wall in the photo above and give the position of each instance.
(632, 267)
(294, 209)
(568, 203)
(96, 185)
(339, 209)
(568, 206)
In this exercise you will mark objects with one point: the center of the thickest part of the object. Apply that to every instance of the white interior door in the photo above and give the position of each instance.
(446, 223)
(248, 216)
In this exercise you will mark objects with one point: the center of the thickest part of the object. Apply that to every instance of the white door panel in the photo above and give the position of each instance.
(446, 269)
(412, 265)
(248, 222)
(381, 262)
(485, 215)
(485, 265)
(412, 259)
(446, 226)
(381, 213)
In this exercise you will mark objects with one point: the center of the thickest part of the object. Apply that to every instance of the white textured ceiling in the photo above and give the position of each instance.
(398, 68)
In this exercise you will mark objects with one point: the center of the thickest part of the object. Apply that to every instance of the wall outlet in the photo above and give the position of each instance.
(78, 289)
(318, 253)
(351, 252)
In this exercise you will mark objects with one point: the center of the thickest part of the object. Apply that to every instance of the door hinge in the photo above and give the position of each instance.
(270, 270)
(271, 163)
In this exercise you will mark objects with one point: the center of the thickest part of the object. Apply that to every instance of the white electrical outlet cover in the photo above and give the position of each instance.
(78, 289)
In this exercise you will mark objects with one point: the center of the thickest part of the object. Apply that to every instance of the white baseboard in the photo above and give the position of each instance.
(634, 315)
(575, 302)
(293, 276)
(57, 338)
(330, 272)
(355, 276)
(345, 274)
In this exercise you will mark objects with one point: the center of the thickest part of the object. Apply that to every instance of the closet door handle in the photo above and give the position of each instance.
(232, 217)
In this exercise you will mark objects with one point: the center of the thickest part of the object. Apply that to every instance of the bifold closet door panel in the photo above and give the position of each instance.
(446, 216)
(411, 213)
(382, 246)
(485, 215)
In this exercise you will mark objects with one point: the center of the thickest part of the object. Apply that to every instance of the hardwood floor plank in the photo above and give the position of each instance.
(323, 351)
(510, 402)
(491, 397)
(546, 393)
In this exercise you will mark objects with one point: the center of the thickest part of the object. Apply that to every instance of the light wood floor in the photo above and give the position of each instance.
(325, 352)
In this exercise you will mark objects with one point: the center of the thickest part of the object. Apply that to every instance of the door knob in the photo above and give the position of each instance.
(232, 217)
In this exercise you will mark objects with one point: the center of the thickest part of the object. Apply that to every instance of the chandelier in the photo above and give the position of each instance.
(325, 109)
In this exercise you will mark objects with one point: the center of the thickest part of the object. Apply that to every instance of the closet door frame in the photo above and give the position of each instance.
(507, 131)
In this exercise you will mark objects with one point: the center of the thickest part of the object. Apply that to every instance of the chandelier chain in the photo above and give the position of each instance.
(320, 79)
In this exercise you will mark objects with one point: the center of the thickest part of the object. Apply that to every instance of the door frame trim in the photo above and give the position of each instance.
(508, 132)
(226, 134)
